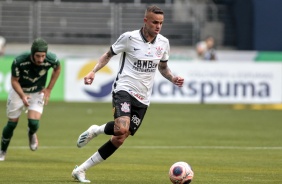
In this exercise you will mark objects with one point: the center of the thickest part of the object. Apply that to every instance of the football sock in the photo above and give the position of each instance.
(33, 125)
(109, 128)
(93, 160)
(101, 129)
(7, 134)
(107, 150)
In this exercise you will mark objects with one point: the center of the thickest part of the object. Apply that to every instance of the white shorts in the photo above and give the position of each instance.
(15, 105)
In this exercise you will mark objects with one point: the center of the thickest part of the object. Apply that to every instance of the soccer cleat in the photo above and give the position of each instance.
(33, 142)
(79, 175)
(86, 136)
(2, 155)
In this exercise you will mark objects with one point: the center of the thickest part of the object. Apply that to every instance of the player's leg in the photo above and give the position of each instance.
(7, 135)
(14, 109)
(93, 131)
(119, 129)
(33, 126)
(128, 125)
(35, 110)
(108, 148)
(121, 107)
(99, 156)
(104, 151)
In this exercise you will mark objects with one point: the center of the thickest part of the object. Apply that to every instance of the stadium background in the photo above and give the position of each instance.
(225, 122)
(246, 34)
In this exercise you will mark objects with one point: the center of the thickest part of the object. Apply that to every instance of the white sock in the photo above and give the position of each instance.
(92, 161)
(101, 129)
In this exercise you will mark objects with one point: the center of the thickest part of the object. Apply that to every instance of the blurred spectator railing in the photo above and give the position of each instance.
(102, 23)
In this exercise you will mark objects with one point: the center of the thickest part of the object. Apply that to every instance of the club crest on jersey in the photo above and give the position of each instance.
(42, 72)
(159, 51)
(125, 107)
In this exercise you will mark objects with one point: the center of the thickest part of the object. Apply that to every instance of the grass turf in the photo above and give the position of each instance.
(224, 146)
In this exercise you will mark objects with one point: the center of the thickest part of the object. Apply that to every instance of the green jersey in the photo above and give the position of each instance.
(32, 78)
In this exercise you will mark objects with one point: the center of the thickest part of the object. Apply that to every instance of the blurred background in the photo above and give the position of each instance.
(242, 63)
(225, 121)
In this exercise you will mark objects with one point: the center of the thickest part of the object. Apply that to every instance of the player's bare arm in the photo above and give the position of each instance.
(103, 60)
(54, 77)
(17, 87)
(166, 73)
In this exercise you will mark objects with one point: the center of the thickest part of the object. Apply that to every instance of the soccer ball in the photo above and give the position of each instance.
(181, 173)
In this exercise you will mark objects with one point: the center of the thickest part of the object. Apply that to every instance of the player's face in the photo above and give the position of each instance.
(39, 57)
(153, 23)
(210, 43)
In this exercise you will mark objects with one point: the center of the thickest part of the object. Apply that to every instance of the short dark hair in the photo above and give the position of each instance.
(154, 9)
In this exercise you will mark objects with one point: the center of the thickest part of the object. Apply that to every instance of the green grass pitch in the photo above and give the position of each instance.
(224, 146)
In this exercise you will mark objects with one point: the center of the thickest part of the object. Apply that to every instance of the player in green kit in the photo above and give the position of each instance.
(29, 76)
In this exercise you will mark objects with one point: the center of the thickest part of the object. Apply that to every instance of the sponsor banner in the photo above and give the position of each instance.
(100, 90)
(222, 83)
(204, 82)
(5, 80)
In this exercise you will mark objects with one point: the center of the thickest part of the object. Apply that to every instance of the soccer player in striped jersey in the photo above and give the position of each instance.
(143, 52)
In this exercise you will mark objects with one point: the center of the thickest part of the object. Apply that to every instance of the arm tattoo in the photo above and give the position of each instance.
(104, 59)
(109, 54)
(165, 71)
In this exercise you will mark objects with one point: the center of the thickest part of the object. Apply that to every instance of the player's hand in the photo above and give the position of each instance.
(25, 100)
(178, 81)
(46, 96)
(88, 79)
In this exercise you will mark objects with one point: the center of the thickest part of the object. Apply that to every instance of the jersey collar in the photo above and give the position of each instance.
(144, 39)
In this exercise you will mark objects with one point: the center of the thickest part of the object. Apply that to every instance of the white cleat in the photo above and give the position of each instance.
(79, 175)
(2, 155)
(86, 136)
(33, 142)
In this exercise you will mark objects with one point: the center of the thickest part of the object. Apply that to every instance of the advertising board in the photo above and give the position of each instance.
(204, 82)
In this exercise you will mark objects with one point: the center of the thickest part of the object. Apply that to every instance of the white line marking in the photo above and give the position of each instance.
(160, 147)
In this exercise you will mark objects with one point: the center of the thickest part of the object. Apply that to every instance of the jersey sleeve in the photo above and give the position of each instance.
(15, 69)
(166, 53)
(121, 44)
(52, 58)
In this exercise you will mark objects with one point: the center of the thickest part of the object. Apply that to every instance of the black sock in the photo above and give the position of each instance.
(107, 150)
(109, 128)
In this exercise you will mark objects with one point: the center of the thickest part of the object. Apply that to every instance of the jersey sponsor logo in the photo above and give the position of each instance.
(135, 49)
(137, 95)
(125, 107)
(33, 80)
(46, 64)
(29, 89)
(149, 55)
(25, 63)
(145, 66)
